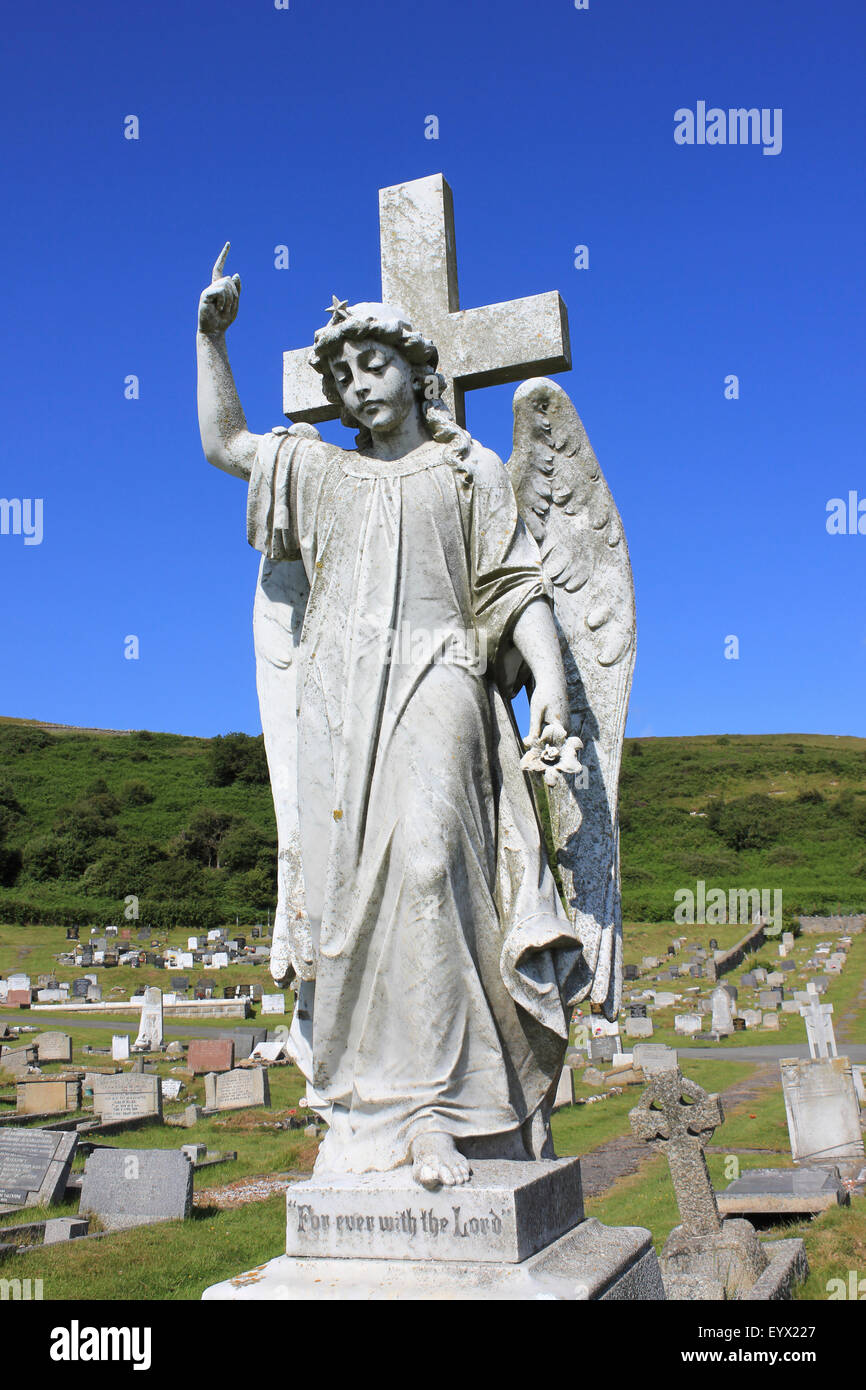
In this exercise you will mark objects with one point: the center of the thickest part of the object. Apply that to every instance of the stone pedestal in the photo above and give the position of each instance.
(516, 1231)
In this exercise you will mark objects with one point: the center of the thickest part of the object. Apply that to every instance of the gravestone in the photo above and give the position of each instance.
(770, 998)
(723, 1012)
(80, 988)
(245, 1039)
(127, 1096)
(822, 1110)
(241, 1089)
(274, 1048)
(819, 1026)
(687, 1024)
(753, 1018)
(771, 1022)
(17, 1061)
(739, 1024)
(748, 980)
(564, 1089)
(34, 1166)
(662, 1000)
(637, 1010)
(631, 972)
(702, 1256)
(179, 983)
(783, 1193)
(210, 1055)
(150, 1034)
(639, 1028)
(53, 1047)
(120, 1047)
(47, 1095)
(135, 1187)
(602, 1049)
(654, 1057)
(18, 998)
(71, 933)
(171, 1087)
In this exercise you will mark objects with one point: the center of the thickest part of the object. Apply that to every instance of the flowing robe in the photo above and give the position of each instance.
(445, 966)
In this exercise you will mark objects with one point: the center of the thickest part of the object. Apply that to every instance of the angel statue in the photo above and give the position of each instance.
(408, 589)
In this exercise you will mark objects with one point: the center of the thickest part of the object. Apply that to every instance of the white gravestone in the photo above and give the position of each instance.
(822, 1110)
(819, 1026)
(150, 1030)
(120, 1047)
(273, 1003)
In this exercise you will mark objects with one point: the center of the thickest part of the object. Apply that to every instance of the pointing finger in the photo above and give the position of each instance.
(219, 263)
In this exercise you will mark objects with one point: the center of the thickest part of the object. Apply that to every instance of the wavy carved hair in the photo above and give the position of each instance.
(421, 354)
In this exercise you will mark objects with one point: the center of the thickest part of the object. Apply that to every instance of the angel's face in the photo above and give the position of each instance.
(376, 384)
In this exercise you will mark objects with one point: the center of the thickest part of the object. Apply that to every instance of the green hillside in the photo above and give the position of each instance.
(89, 817)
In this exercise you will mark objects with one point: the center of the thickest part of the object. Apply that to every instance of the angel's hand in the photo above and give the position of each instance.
(548, 706)
(218, 306)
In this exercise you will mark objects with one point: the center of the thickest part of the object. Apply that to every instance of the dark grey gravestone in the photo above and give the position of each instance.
(179, 982)
(134, 1187)
(787, 965)
(783, 1192)
(34, 1166)
(87, 956)
(245, 1039)
(748, 980)
(602, 1049)
(630, 972)
(637, 1011)
(80, 988)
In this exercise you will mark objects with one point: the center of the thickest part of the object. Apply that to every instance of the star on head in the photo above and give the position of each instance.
(338, 309)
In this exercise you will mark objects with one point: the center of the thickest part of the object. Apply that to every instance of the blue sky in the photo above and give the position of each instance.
(556, 128)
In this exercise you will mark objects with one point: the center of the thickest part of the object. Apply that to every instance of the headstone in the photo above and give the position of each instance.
(245, 1039)
(179, 983)
(171, 1087)
(661, 1000)
(17, 1061)
(185, 960)
(687, 1024)
(637, 1010)
(771, 1021)
(678, 1117)
(654, 1057)
(34, 1166)
(760, 974)
(775, 980)
(127, 1096)
(94, 994)
(783, 1193)
(739, 1024)
(71, 933)
(237, 1090)
(274, 1048)
(273, 1002)
(192, 943)
(819, 1026)
(18, 998)
(822, 1110)
(120, 1047)
(150, 1034)
(220, 960)
(753, 1018)
(47, 1095)
(748, 980)
(564, 1089)
(53, 1047)
(134, 1187)
(602, 1049)
(80, 988)
(788, 939)
(723, 1012)
(638, 1027)
(770, 998)
(210, 1055)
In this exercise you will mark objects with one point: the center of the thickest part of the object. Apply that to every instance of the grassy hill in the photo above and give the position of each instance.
(89, 817)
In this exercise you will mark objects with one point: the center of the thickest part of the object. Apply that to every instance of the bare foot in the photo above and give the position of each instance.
(437, 1162)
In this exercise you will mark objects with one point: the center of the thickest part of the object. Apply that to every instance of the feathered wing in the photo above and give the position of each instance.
(567, 506)
(278, 614)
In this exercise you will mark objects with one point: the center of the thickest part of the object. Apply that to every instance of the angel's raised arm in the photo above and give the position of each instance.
(226, 441)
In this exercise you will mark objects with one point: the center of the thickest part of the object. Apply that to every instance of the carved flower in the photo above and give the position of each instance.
(552, 754)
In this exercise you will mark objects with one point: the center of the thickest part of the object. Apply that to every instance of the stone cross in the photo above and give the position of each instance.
(819, 1026)
(477, 347)
(679, 1117)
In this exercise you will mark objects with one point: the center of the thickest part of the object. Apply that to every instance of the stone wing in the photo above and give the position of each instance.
(567, 506)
